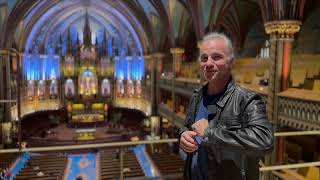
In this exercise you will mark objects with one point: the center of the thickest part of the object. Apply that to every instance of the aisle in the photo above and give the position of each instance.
(83, 165)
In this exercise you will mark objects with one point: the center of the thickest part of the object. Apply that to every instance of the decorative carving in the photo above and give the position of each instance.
(176, 56)
(282, 29)
(271, 83)
(299, 114)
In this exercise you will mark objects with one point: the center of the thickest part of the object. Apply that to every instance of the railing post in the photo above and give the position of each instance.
(121, 163)
(261, 175)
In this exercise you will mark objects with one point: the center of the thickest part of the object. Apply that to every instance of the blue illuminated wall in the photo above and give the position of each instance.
(109, 46)
(37, 68)
(51, 67)
(129, 68)
(121, 66)
(137, 68)
(32, 66)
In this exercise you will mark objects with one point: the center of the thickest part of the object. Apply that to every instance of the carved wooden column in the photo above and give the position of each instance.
(153, 74)
(176, 69)
(8, 93)
(159, 58)
(2, 89)
(2, 85)
(281, 38)
(202, 80)
(148, 66)
(18, 95)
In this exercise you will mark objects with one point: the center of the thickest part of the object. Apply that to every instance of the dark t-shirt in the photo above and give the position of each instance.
(199, 167)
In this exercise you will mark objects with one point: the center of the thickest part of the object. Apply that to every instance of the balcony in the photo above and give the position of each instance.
(166, 112)
(298, 108)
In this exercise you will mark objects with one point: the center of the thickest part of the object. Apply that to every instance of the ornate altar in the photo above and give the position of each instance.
(81, 77)
(87, 90)
(86, 84)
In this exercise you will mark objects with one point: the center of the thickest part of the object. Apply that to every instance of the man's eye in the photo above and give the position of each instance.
(216, 58)
(204, 58)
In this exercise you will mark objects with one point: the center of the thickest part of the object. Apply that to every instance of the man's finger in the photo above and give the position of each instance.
(189, 137)
(193, 133)
(187, 143)
(188, 149)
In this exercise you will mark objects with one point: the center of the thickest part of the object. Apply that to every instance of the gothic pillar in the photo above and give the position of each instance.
(281, 38)
(153, 74)
(18, 72)
(8, 85)
(159, 58)
(284, 32)
(202, 80)
(148, 68)
(1, 97)
(286, 67)
(2, 85)
(271, 82)
(176, 69)
(176, 55)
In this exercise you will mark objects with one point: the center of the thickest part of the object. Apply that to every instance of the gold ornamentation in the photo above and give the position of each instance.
(176, 51)
(158, 56)
(147, 57)
(282, 29)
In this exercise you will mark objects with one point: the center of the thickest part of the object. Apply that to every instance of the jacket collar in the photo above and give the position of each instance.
(224, 97)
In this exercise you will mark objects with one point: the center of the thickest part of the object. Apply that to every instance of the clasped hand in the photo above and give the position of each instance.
(187, 139)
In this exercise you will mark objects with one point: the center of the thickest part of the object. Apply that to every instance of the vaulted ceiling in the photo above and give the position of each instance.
(145, 25)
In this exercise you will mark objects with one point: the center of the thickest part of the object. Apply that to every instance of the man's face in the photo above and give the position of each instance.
(214, 62)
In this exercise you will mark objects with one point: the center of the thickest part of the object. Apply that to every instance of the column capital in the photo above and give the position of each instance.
(199, 44)
(147, 57)
(283, 29)
(158, 55)
(176, 50)
(13, 54)
(4, 52)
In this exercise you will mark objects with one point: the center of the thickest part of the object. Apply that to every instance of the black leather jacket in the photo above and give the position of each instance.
(237, 137)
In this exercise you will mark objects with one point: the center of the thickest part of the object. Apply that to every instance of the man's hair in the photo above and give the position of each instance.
(216, 35)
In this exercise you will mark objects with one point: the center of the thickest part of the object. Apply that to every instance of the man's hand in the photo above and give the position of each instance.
(200, 126)
(187, 142)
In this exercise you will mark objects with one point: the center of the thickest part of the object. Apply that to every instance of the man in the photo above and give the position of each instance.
(226, 128)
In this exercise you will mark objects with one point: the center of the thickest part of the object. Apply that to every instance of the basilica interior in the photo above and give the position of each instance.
(98, 89)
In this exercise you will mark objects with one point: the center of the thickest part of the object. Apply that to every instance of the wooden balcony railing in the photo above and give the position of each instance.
(300, 109)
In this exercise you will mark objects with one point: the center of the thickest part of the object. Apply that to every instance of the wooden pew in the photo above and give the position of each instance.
(52, 166)
(167, 163)
(6, 160)
(110, 165)
(316, 85)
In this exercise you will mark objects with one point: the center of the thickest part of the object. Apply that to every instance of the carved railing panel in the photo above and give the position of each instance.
(299, 109)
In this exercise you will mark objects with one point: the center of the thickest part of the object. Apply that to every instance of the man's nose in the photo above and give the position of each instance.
(209, 66)
(210, 63)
